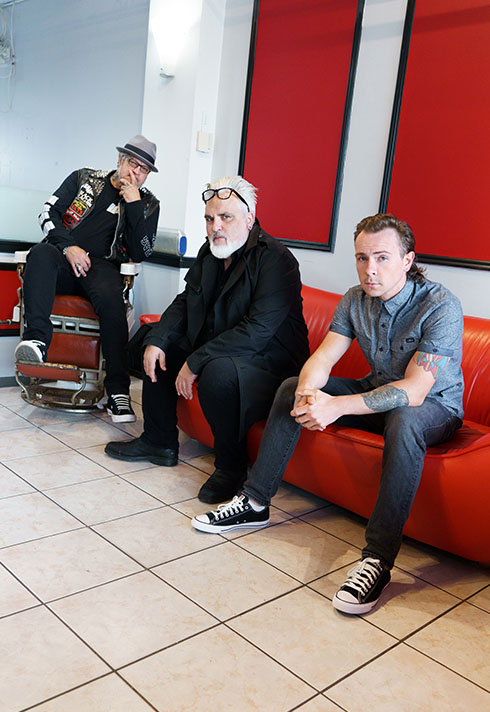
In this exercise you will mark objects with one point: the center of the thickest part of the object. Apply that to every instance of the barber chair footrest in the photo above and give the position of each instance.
(39, 384)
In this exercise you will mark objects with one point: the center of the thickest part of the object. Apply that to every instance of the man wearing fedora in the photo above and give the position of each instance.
(94, 221)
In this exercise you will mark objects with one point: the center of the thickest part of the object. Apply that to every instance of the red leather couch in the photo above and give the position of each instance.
(343, 465)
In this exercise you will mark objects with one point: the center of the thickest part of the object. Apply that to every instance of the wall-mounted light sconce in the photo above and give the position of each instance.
(170, 26)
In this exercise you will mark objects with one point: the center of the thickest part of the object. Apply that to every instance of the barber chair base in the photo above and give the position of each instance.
(59, 387)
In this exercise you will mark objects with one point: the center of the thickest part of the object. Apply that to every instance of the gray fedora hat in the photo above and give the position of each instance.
(141, 148)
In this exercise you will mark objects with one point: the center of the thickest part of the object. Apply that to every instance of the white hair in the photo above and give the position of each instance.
(247, 191)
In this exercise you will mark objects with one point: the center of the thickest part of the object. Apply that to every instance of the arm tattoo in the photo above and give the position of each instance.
(431, 363)
(385, 398)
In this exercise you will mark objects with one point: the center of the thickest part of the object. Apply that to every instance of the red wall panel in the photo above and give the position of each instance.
(440, 181)
(298, 96)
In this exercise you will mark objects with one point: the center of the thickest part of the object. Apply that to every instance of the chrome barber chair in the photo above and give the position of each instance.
(72, 379)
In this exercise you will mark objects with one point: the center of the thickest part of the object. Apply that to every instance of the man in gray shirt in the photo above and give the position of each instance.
(410, 331)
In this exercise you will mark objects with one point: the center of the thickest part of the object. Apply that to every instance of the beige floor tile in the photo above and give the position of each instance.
(10, 396)
(57, 469)
(30, 516)
(136, 389)
(100, 500)
(13, 596)
(157, 536)
(482, 599)
(339, 523)
(108, 694)
(239, 580)
(11, 485)
(299, 549)
(85, 433)
(461, 641)
(228, 674)
(306, 634)
(41, 658)
(66, 563)
(458, 576)
(319, 704)
(405, 605)
(27, 442)
(128, 619)
(203, 462)
(11, 421)
(170, 484)
(44, 416)
(297, 501)
(403, 680)
(189, 449)
(117, 467)
(132, 430)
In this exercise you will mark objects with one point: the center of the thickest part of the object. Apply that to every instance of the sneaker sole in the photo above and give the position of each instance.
(355, 608)
(215, 529)
(122, 418)
(27, 353)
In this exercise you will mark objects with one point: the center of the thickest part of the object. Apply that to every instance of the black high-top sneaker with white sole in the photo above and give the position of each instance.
(119, 406)
(364, 585)
(31, 350)
(237, 514)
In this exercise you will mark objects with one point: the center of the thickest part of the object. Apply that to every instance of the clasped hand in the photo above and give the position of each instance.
(314, 409)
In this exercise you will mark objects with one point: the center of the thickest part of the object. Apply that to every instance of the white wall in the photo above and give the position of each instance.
(77, 90)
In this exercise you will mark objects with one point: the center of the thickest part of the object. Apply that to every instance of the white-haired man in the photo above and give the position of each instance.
(237, 329)
(94, 221)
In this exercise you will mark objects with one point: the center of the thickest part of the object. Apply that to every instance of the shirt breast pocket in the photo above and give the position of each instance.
(403, 348)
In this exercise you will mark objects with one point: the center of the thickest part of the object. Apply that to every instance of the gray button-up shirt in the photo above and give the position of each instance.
(423, 317)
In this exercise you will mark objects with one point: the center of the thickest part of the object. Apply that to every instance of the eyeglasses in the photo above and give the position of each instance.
(223, 194)
(136, 164)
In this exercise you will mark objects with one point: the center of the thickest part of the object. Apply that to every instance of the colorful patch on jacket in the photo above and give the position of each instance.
(83, 202)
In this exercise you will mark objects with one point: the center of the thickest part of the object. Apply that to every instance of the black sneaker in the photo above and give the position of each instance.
(119, 406)
(33, 351)
(237, 514)
(364, 585)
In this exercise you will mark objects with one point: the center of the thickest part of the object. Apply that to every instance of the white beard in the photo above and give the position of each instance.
(222, 252)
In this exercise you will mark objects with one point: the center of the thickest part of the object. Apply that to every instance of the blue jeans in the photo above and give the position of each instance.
(407, 432)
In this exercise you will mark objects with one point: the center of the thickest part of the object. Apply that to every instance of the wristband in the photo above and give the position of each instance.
(65, 249)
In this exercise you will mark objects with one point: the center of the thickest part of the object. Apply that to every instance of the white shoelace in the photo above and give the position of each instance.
(364, 575)
(122, 401)
(234, 507)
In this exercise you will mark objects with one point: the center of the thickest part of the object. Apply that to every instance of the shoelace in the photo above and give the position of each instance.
(234, 507)
(122, 401)
(364, 575)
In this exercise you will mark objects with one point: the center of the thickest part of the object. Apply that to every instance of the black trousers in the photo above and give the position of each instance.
(48, 273)
(219, 396)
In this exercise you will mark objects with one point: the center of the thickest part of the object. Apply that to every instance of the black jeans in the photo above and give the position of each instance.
(48, 273)
(219, 396)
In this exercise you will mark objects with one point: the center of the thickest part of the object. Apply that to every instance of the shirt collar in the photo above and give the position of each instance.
(393, 305)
